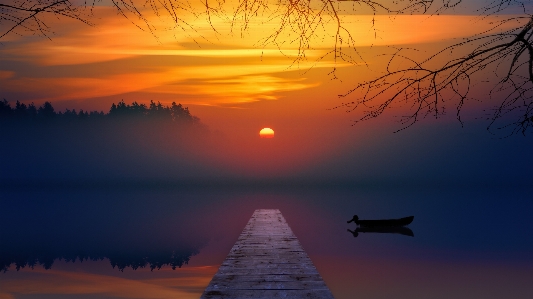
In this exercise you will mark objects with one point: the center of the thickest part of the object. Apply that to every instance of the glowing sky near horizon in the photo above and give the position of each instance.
(232, 82)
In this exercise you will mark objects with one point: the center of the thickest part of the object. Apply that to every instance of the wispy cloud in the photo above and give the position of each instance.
(217, 84)
(201, 66)
(6, 74)
(383, 30)
(241, 89)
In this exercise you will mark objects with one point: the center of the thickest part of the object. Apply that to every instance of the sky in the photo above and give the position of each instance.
(237, 84)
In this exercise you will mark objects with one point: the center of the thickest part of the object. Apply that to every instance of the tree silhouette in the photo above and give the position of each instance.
(5, 109)
(429, 85)
(46, 111)
(426, 84)
(23, 17)
(137, 112)
(29, 16)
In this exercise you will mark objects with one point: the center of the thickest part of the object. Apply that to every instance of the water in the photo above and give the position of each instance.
(469, 242)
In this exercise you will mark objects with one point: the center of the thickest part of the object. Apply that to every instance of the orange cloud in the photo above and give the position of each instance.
(6, 74)
(242, 89)
(226, 71)
(219, 84)
(382, 30)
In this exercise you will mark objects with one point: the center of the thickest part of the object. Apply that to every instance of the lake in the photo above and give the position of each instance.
(123, 240)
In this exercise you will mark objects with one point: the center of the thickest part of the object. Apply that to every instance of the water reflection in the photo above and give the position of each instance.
(170, 226)
(402, 230)
(129, 231)
(382, 222)
(121, 258)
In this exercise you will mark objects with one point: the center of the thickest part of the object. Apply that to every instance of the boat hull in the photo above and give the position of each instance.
(386, 222)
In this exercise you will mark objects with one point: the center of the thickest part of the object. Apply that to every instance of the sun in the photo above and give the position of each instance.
(266, 133)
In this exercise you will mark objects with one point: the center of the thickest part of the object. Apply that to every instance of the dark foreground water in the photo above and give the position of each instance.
(124, 241)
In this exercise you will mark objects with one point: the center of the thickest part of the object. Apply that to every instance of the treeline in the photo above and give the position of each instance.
(127, 259)
(136, 111)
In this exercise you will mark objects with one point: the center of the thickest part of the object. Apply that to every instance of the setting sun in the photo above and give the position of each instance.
(266, 133)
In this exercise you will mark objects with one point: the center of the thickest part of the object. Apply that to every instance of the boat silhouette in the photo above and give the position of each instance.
(382, 222)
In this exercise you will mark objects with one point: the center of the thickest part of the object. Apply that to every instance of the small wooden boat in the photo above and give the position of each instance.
(382, 222)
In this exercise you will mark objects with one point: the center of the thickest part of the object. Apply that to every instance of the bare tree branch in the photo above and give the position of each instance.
(427, 87)
(426, 84)
(27, 15)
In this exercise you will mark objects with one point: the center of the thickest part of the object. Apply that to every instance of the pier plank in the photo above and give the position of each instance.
(267, 261)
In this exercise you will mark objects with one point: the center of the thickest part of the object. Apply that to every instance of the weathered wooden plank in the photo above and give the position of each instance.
(271, 285)
(269, 278)
(267, 294)
(266, 272)
(267, 261)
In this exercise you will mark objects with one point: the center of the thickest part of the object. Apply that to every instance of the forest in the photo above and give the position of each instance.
(129, 140)
(46, 113)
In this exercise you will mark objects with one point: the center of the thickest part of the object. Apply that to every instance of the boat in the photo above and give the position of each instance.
(382, 222)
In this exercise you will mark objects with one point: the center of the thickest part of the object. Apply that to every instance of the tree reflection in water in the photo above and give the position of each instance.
(40, 228)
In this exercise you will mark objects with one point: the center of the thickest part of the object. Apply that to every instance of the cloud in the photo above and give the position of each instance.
(236, 90)
(6, 74)
(214, 84)
(383, 30)
(115, 58)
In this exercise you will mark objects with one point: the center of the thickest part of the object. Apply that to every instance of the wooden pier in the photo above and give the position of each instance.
(267, 261)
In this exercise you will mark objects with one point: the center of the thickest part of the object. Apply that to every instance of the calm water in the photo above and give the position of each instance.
(469, 242)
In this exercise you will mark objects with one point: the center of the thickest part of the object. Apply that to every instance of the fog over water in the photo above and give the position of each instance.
(126, 198)
(150, 151)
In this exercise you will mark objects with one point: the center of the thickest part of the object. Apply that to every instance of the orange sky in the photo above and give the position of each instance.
(231, 82)
(115, 58)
